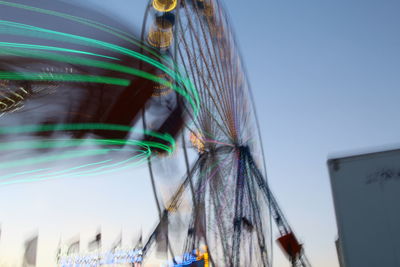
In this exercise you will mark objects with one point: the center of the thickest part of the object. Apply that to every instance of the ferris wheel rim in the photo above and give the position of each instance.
(250, 98)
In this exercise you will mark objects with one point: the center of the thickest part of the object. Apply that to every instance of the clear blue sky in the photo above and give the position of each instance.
(325, 77)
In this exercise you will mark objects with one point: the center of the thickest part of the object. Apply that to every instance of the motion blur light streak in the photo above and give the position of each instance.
(48, 158)
(49, 48)
(98, 86)
(161, 79)
(197, 141)
(32, 31)
(95, 24)
(83, 126)
(108, 83)
(160, 38)
(162, 89)
(28, 30)
(142, 150)
(29, 76)
(67, 173)
(80, 174)
(164, 5)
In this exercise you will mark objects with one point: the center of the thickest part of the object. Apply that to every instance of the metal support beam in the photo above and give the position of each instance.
(237, 221)
(299, 260)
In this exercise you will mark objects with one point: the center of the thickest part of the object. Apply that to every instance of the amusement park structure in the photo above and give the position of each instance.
(231, 200)
(185, 82)
(251, 179)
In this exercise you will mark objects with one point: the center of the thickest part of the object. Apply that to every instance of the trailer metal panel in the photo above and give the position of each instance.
(366, 193)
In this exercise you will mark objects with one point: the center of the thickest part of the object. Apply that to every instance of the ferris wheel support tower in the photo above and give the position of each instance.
(231, 203)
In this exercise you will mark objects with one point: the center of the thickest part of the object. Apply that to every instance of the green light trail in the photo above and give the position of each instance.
(146, 153)
(88, 62)
(42, 159)
(95, 24)
(41, 76)
(80, 174)
(141, 150)
(105, 28)
(65, 143)
(52, 48)
(28, 30)
(73, 168)
(97, 171)
(92, 126)
(22, 173)
(73, 148)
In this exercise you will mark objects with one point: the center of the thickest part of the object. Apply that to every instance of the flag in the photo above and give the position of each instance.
(58, 253)
(30, 252)
(138, 248)
(139, 244)
(117, 243)
(162, 236)
(95, 244)
(73, 248)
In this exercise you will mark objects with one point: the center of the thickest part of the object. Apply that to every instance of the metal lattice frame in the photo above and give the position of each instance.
(231, 202)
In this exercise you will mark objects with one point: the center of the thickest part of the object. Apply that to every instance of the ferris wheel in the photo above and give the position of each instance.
(191, 75)
(232, 205)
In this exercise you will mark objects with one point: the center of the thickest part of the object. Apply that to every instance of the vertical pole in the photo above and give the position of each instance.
(257, 218)
(237, 221)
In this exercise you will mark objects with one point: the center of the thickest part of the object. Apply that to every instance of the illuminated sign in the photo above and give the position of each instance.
(101, 259)
(194, 259)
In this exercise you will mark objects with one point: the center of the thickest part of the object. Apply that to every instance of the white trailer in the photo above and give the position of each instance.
(366, 194)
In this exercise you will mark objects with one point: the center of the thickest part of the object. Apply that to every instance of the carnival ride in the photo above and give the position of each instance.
(69, 95)
(226, 184)
(186, 66)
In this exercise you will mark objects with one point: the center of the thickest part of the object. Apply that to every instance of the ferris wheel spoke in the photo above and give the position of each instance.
(224, 216)
(196, 39)
(198, 72)
(205, 108)
(215, 101)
